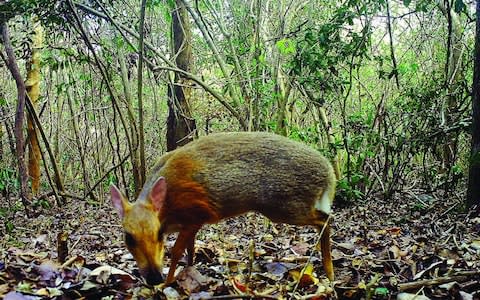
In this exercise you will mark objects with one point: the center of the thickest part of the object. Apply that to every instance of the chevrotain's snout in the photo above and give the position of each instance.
(153, 277)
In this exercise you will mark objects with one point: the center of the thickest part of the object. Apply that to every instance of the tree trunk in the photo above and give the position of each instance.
(133, 127)
(141, 131)
(453, 75)
(473, 193)
(181, 127)
(33, 91)
(19, 117)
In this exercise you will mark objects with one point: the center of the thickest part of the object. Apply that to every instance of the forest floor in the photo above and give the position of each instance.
(414, 244)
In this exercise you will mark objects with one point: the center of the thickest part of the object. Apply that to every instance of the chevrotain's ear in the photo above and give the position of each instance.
(118, 200)
(158, 193)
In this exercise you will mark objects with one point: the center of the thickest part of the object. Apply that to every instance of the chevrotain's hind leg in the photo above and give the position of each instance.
(326, 250)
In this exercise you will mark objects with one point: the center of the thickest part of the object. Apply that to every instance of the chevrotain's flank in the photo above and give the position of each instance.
(220, 176)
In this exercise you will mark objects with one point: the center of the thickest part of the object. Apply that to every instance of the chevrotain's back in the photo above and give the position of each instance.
(271, 174)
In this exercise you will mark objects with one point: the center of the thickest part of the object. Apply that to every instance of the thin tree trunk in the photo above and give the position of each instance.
(8, 129)
(329, 131)
(133, 127)
(80, 147)
(255, 101)
(473, 192)
(392, 49)
(33, 90)
(181, 127)
(141, 136)
(279, 88)
(58, 178)
(19, 117)
(453, 76)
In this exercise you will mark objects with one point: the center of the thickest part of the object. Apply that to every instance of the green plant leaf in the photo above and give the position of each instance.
(381, 291)
(286, 46)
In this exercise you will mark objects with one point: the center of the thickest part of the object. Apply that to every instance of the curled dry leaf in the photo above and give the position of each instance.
(308, 277)
(171, 293)
(103, 274)
(191, 280)
(396, 252)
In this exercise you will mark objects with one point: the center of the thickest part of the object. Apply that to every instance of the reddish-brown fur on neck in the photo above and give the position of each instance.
(187, 201)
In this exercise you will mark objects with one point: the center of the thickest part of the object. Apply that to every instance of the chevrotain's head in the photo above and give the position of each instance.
(143, 228)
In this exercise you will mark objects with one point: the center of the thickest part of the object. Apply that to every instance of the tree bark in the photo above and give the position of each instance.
(33, 91)
(181, 127)
(473, 192)
(392, 49)
(133, 127)
(19, 117)
(453, 76)
(141, 131)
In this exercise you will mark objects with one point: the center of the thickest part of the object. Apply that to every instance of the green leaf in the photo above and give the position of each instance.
(153, 3)
(381, 291)
(286, 46)
(118, 41)
(406, 2)
(9, 226)
(261, 58)
(167, 11)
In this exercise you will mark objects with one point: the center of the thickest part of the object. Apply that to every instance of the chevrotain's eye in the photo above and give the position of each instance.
(129, 240)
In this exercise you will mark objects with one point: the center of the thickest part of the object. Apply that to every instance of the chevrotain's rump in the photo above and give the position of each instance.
(220, 176)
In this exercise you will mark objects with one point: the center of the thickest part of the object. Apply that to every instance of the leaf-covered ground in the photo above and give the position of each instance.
(415, 244)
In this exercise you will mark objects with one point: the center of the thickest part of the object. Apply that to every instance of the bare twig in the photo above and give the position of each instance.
(458, 277)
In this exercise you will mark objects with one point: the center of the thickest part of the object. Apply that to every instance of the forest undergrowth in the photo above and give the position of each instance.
(416, 244)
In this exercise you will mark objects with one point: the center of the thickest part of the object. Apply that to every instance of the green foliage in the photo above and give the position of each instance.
(286, 46)
(50, 13)
(424, 5)
(381, 291)
(111, 179)
(43, 203)
(8, 180)
(350, 188)
(419, 206)
(325, 47)
(7, 213)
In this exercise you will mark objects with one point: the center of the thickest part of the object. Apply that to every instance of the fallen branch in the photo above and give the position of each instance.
(458, 277)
